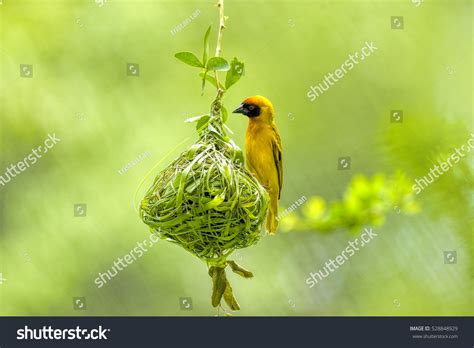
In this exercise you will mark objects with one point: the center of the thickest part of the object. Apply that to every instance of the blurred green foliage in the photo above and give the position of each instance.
(366, 202)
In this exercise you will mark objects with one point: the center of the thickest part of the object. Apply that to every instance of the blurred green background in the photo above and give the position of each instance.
(105, 119)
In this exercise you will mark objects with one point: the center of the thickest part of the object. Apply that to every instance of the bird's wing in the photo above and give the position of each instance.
(277, 149)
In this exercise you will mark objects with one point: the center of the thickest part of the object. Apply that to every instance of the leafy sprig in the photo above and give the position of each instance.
(234, 70)
(366, 202)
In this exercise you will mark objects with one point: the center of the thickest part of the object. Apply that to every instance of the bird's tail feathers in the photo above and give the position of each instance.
(272, 222)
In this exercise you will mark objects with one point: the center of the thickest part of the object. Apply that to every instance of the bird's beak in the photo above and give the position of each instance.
(239, 110)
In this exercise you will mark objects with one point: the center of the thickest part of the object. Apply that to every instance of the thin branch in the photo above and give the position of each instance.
(220, 5)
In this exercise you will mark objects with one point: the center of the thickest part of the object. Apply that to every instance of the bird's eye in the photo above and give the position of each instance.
(251, 107)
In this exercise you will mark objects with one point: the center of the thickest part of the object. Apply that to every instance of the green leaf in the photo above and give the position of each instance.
(217, 64)
(215, 202)
(203, 121)
(189, 58)
(203, 82)
(209, 78)
(235, 73)
(224, 113)
(195, 118)
(206, 44)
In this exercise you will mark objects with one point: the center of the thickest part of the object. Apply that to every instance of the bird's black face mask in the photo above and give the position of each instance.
(249, 110)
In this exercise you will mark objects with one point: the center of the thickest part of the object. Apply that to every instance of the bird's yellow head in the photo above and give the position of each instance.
(256, 108)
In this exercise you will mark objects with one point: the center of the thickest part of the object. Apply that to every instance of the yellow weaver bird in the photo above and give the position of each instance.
(263, 151)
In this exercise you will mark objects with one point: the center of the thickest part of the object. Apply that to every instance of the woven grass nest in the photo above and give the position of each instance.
(208, 203)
